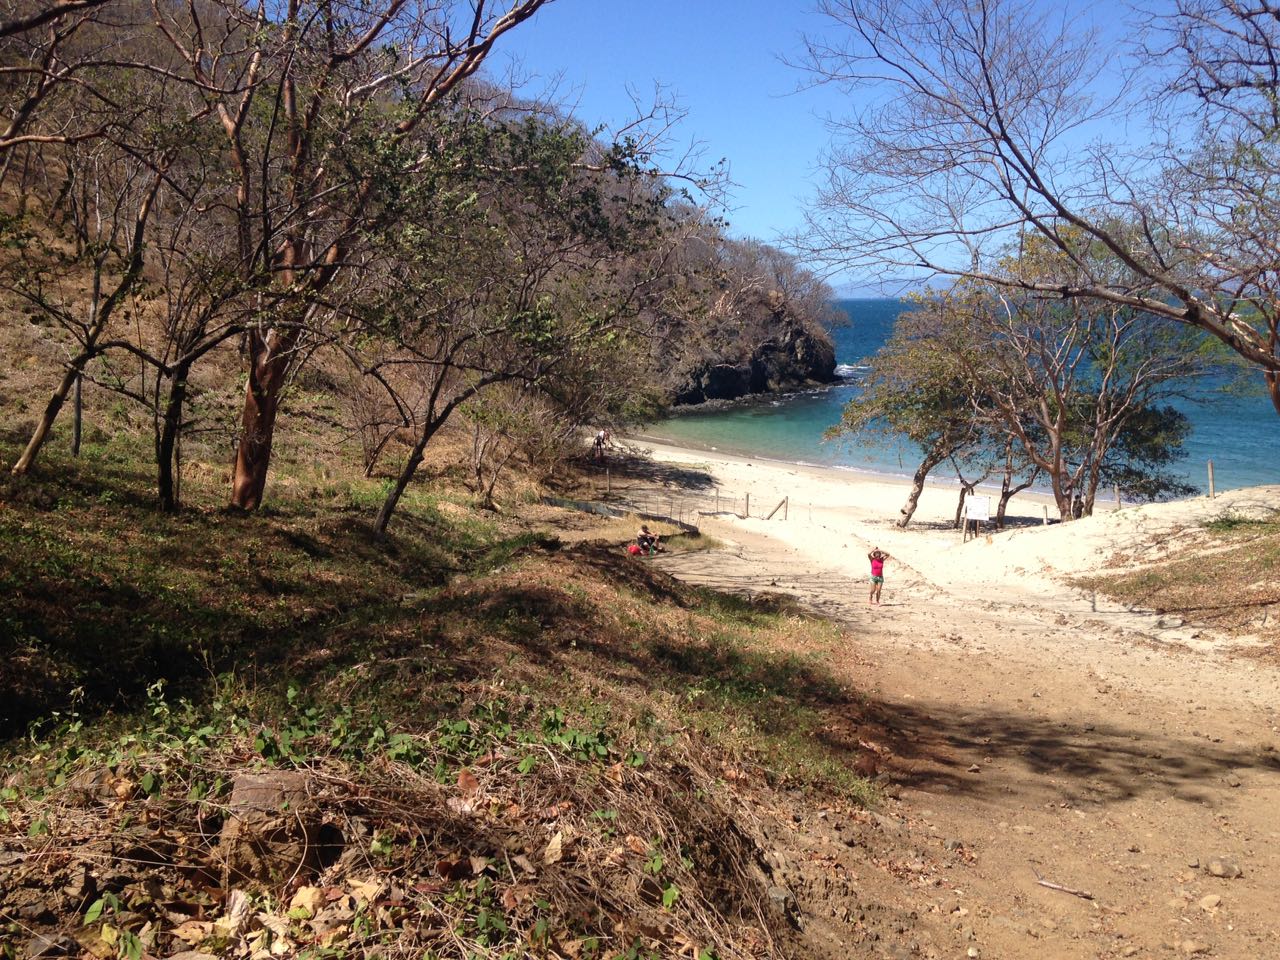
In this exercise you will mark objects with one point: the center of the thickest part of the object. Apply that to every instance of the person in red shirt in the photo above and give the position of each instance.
(877, 558)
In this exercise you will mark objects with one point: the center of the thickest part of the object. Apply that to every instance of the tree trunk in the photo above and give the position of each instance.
(406, 474)
(166, 449)
(965, 490)
(931, 460)
(97, 323)
(270, 356)
(41, 433)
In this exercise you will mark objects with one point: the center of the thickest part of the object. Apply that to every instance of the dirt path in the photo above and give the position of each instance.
(1036, 736)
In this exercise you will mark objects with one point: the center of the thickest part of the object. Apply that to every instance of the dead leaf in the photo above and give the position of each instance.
(479, 865)
(614, 772)
(308, 900)
(365, 891)
(95, 946)
(468, 783)
(193, 931)
(636, 844)
(453, 869)
(521, 861)
(237, 915)
(555, 849)
(460, 806)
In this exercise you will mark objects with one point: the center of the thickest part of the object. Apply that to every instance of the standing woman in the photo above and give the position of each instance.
(877, 558)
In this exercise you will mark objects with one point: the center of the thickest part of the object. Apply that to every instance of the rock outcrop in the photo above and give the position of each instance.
(796, 356)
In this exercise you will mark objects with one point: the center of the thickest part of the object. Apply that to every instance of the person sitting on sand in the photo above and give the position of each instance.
(877, 558)
(649, 542)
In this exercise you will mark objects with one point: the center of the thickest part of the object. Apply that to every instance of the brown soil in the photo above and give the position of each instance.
(1024, 744)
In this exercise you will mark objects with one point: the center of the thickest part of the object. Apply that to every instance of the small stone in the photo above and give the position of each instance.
(974, 768)
(41, 947)
(953, 844)
(1210, 902)
(1129, 951)
(1023, 829)
(1231, 780)
(1193, 863)
(1048, 924)
(972, 953)
(1224, 867)
(1193, 947)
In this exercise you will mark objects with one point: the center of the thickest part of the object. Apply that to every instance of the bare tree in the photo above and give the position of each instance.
(120, 194)
(24, 16)
(977, 130)
(342, 87)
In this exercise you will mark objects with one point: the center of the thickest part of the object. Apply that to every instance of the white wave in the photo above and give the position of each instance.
(848, 370)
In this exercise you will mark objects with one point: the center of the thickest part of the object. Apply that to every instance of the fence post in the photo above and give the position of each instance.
(747, 512)
(717, 499)
(1211, 492)
(1046, 513)
(786, 507)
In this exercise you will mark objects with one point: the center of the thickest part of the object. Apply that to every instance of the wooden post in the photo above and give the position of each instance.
(608, 482)
(747, 512)
(786, 508)
(1046, 513)
(717, 499)
(1211, 491)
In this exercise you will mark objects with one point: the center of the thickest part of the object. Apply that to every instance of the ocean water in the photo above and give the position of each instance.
(1240, 434)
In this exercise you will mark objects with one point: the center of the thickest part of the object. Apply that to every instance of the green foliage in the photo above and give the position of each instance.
(1230, 523)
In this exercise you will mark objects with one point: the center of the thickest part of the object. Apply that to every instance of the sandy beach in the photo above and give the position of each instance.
(1118, 749)
(834, 517)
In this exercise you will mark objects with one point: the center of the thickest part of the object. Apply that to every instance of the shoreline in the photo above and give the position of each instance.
(831, 471)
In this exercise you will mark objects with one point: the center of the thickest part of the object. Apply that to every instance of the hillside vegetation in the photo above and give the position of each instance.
(491, 744)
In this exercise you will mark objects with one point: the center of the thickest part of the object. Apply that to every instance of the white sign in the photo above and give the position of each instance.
(977, 508)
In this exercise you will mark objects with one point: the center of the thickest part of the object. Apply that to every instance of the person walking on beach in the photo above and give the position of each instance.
(877, 558)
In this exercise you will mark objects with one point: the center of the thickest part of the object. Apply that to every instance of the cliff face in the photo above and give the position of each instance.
(796, 355)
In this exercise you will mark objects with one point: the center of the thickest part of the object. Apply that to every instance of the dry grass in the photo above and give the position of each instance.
(463, 696)
(1227, 578)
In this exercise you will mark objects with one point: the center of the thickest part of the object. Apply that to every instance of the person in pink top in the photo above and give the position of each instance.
(877, 558)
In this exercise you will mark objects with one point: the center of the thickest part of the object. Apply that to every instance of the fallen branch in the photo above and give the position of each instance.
(1082, 894)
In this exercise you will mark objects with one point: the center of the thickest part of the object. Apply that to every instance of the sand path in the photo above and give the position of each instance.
(1046, 731)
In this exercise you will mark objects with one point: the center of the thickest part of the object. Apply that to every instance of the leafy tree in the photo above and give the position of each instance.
(917, 391)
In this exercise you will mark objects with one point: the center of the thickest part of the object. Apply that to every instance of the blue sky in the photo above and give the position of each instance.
(724, 60)
(721, 60)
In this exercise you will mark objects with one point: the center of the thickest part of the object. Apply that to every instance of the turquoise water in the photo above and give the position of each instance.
(1241, 434)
